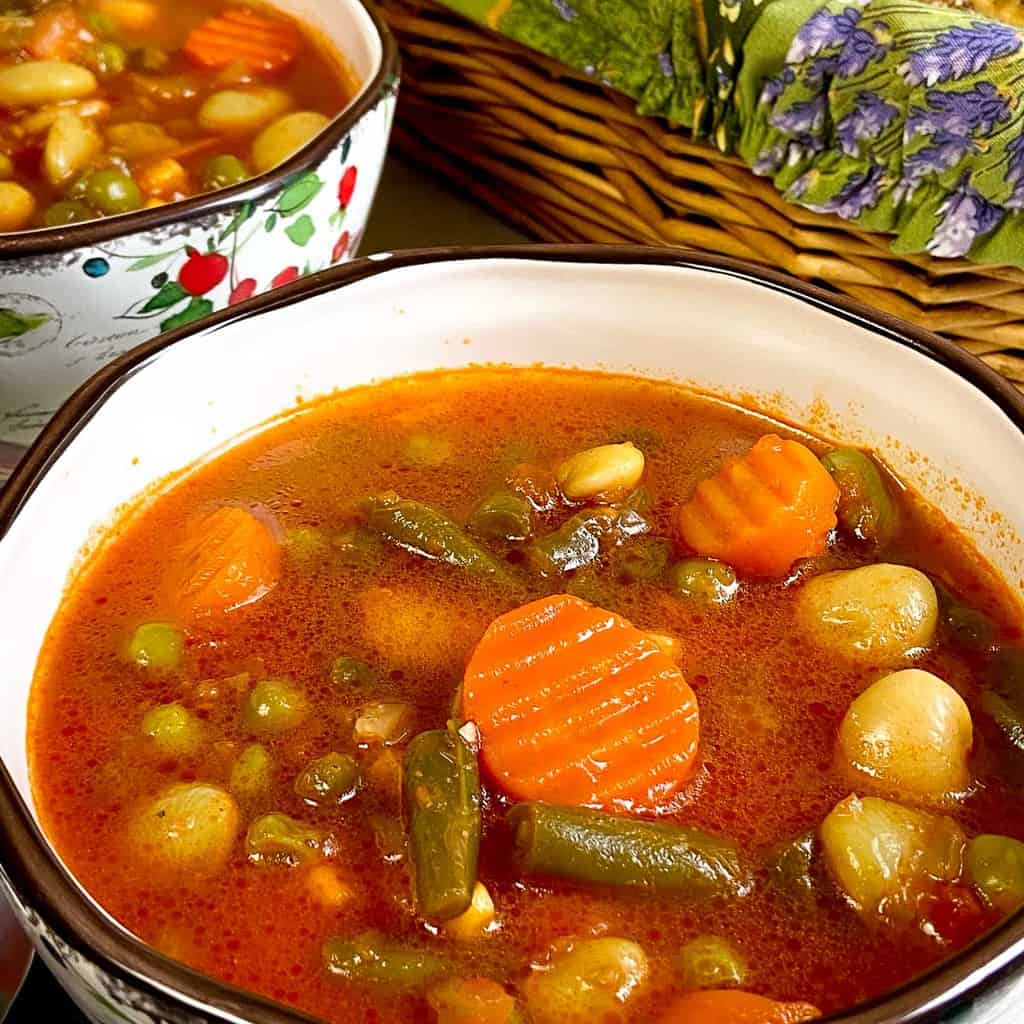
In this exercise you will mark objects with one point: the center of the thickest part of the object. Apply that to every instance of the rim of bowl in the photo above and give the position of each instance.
(48, 241)
(39, 879)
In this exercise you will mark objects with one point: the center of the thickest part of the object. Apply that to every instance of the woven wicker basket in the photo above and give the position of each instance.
(566, 160)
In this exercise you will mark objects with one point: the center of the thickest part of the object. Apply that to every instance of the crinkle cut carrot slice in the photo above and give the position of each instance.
(764, 510)
(265, 44)
(577, 706)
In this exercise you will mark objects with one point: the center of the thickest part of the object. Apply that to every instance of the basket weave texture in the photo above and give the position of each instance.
(567, 160)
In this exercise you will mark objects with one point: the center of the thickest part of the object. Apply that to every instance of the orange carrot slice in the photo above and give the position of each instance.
(230, 559)
(763, 510)
(575, 705)
(729, 1007)
(264, 44)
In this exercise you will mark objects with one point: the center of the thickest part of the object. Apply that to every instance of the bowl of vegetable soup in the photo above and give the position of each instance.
(162, 159)
(545, 635)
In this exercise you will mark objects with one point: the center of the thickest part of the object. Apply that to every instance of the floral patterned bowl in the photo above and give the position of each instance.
(794, 350)
(73, 298)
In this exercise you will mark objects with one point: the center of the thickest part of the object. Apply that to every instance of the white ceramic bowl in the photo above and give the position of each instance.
(74, 298)
(945, 422)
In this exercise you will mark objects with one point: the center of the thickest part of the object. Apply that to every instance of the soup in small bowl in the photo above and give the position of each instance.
(161, 160)
(616, 687)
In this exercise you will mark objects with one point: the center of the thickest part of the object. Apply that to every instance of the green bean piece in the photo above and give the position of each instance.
(373, 959)
(307, 546)
(644, 559)
(352, 673)
(1004, 702)
(442, 801)
(711, 962)
(583, 538)
(589, 846)
(108, 58)
(331, 779)
(157, 645)
(273, 707)
(1009, 719)
(789, 866)
(866, 509)
(278, 839)
(424, 531)
(67, 211)
(971, 629)
(172, 730)
(503, 516)
(704, 581)
(995, 867)
(113, 192)
(223, 171)
(252, 773)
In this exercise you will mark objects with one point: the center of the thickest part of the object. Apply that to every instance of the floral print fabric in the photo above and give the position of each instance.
(892, 114)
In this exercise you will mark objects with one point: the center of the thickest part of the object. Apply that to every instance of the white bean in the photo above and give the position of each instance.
(878, 614)
(44, 81)
(240, 111)
(16, 206)
(284, 136)
(610, 470)
(884, 856)
(910, 733)
(71, 144)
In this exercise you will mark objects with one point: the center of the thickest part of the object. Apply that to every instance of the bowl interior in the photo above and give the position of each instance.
(714, 329)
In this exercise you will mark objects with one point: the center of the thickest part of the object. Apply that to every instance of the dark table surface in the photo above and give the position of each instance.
(412, 209)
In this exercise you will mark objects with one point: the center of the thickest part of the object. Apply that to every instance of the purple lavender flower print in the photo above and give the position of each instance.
(821, 31)
(860, 192)
(976, 110)
(805, 116)
(857, 52)
(870, 116)
(769, 161)
(774, 86)
(960, 52)
(1015, 172)
(565, 9)
(964, 216)
(665, 63)
(944, 152)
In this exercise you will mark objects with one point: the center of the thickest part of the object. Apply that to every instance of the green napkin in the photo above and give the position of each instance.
(895, 115)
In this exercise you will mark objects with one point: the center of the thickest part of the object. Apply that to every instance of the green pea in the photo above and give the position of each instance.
(273, 707)
(331, 779)
(157, 645)
(251, 774)
(704, 580)
(224, 170)
(426, 451)
(995, 866)
(279, 839)
(173, 730)
(152, 58)
(102, 24)
(113, 192)
(67, 211)
(352, 673)
(643, 559)
(109, 58)
(711, 962)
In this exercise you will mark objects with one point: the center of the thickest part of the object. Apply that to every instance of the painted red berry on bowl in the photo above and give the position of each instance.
(242, 291)
(202, 272)
(347, 186)
(286, 276)
(341, 246)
